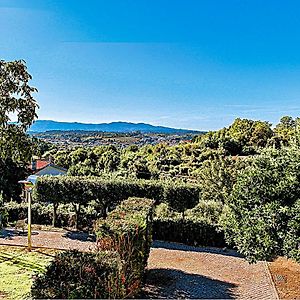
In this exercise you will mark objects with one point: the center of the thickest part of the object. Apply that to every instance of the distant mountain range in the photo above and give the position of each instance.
(47, 125)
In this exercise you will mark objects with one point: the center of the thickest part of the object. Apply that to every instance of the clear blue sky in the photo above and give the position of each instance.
(181, 63)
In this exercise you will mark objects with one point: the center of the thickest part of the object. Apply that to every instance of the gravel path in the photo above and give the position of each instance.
(175, 270)
(179, 271)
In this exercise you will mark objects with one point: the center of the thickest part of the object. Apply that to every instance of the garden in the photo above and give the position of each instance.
(236, 188)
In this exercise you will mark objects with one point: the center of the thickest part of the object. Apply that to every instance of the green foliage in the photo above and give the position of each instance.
(77, 275)
(181, 196)
(15, 146)
(182, 161)
(15, 97)
(128, 230)
(110, 192)
(199, 226)
(2, 213)
(217, 176)
(286, 129)
(262, 214)
(11, 172)
(242, 137)
(291, 238)
(116, 270)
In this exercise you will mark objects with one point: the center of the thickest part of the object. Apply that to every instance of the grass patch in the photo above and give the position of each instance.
(17, 267)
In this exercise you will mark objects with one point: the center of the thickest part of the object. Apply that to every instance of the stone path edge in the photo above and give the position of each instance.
(276, 296)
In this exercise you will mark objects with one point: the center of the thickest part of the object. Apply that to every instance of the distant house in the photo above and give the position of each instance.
(42, 167)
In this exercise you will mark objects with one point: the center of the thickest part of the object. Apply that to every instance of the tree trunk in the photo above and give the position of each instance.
(55, 206)
(77, 211)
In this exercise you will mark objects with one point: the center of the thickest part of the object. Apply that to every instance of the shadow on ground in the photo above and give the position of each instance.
(176, 284)
(10, 233)
(182, 247)
(80, 236)
(21, 261)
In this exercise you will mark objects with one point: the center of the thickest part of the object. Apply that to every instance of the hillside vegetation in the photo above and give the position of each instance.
(246, 179)
(238, 186)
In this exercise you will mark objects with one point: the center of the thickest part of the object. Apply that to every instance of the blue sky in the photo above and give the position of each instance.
(181, 63)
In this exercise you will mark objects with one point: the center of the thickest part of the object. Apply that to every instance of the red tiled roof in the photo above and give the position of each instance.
(40, 164)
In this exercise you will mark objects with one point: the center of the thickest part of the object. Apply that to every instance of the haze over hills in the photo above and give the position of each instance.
(48, 125)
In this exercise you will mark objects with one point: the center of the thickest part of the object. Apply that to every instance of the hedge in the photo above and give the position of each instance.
(128, 230)
(77, 275)
(78, 191)
(116, 270)
(196, 233)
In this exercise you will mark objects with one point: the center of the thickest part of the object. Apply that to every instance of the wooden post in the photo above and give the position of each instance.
(29, 219)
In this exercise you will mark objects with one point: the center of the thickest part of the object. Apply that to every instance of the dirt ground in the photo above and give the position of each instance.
(286, 277)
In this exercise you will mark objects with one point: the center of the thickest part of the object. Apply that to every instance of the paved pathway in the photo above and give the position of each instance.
(178, 271)
(56, 240)
(175, 270)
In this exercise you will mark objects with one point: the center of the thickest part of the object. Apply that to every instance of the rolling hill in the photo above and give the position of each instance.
(48, 125)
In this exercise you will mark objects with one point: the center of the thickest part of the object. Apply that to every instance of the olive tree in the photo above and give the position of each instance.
(262, 220)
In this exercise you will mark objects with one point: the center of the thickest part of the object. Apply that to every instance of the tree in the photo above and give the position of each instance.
(16, 98)
(285, 129)
(263, 210)
(217, 176)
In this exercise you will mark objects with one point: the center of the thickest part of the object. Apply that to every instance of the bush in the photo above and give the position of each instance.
(128, 230)
(77, 275)
(41, 213)
(196, 233)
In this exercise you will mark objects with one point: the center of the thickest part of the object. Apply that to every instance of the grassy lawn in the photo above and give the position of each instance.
(17, 266)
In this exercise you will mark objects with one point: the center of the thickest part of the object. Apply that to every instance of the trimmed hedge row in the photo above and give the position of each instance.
(79, 191)
(196, 233)
(128, 230)
(116, 270)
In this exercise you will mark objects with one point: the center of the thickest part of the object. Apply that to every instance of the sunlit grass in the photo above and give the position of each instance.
(17, 266)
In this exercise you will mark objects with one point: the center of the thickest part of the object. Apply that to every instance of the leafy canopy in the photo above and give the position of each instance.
(263, 216)
(16, 99)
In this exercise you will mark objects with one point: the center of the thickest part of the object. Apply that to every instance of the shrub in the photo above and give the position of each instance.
(128, 230)
(77, 275)
(41, 213)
